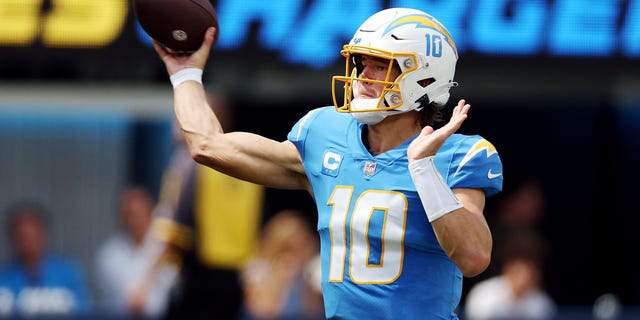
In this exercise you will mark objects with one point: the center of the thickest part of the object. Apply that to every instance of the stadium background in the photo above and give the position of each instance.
(86, 106)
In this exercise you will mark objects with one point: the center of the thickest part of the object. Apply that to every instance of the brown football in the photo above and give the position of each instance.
(179, 25)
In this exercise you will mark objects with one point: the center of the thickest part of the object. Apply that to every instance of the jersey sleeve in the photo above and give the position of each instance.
(299, 132)
(475, 163)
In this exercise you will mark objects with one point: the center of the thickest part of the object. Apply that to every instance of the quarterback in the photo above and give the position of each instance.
(400, 205)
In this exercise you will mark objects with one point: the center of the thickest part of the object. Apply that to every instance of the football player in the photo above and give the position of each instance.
(400, 205)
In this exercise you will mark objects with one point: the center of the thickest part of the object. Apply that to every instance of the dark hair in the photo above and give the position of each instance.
(430, 114)
(25, 207)
(526, 244)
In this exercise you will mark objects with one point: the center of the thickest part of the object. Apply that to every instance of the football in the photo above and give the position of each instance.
(179, 25)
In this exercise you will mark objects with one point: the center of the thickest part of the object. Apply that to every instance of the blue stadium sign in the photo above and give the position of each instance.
(311, 35)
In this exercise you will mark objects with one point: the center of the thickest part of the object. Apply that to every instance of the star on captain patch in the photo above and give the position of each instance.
(369, 168)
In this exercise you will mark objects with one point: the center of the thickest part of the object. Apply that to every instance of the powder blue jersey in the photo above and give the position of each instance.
(380, 256)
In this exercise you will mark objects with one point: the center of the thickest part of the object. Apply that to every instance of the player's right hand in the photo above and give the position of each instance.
(175, 62)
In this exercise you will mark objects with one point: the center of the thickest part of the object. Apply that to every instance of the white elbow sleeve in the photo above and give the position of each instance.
(435, 195)
(186, 74)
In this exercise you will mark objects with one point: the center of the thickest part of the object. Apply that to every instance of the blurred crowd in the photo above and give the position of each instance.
(154, 267)
(514, 285)
(203, 248)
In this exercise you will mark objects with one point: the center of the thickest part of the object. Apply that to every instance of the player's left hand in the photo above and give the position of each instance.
(429, 141)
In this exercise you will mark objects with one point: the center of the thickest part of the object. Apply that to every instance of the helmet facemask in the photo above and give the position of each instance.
(391, 97)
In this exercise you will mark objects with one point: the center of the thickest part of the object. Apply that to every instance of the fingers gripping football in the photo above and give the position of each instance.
(179, 25)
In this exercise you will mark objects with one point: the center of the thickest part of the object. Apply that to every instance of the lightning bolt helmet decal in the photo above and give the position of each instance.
(422, 21)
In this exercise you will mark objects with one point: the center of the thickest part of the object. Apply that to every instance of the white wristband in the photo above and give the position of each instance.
(436, 196)
(186, 74)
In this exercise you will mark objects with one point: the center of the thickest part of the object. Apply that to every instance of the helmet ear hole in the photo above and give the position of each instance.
(425, 82)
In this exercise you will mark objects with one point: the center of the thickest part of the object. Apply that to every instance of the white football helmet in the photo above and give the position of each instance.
(414, 41)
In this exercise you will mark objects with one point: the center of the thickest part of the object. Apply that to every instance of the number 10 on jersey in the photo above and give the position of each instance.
(394, 206)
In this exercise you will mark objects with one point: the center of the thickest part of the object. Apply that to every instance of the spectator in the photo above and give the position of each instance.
(122, 260)
(518, 291)
(521, 207)
(38, 282)
(209, 223)
(282, 281)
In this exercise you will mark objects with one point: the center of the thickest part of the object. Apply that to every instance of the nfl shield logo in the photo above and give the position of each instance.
(369, 168)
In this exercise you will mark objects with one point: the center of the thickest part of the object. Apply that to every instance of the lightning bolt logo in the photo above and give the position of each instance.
(422, 21)
(475, 149)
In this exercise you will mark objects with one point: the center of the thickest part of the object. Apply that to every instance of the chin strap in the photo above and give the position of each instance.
(423, 101)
